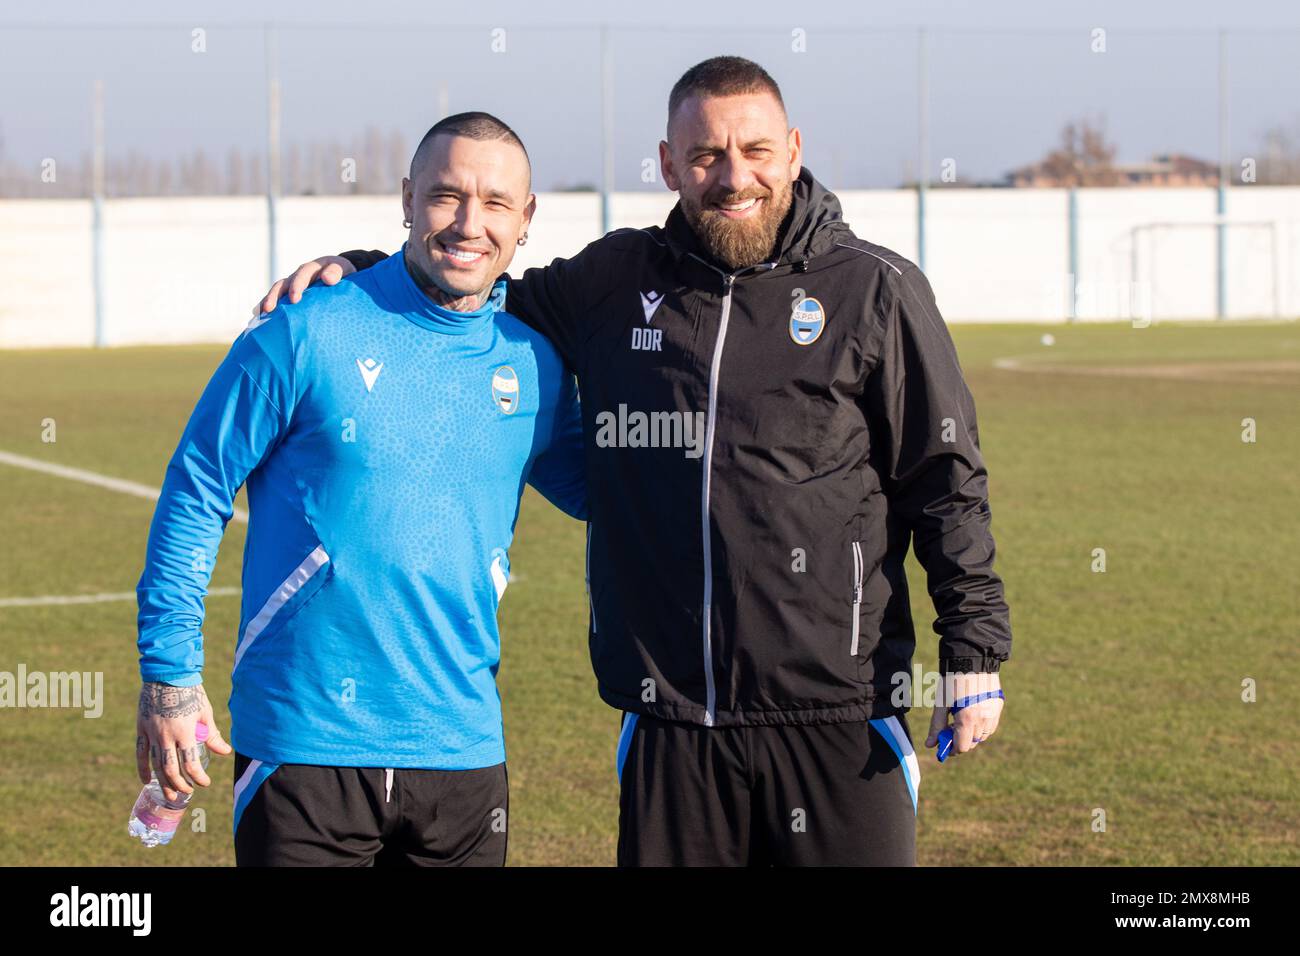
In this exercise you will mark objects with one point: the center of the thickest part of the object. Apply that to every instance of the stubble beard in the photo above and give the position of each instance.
(470, 302)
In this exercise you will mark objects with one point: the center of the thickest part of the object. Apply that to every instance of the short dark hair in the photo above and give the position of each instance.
(722, 76)
(473, 125)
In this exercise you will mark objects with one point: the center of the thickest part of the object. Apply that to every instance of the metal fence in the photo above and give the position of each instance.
(111, 110)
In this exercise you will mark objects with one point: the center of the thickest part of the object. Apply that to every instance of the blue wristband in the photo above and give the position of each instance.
(967, 701)
(945, 735)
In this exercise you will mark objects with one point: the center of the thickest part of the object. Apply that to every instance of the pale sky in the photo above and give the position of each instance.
(1004, 76)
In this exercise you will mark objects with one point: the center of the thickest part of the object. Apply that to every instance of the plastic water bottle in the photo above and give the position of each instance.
(154, 818)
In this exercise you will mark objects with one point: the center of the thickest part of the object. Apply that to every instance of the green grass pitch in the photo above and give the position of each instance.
(1125, 688)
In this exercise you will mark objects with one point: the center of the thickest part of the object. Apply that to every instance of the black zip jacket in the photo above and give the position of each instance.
(745, 553)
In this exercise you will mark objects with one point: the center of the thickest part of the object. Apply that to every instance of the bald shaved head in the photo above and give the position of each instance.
(475, 125)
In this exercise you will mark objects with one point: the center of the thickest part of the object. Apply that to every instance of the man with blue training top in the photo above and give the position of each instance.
(385, 428)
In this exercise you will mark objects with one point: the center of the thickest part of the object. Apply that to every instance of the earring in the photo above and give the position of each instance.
(406, 224)
(522, 239)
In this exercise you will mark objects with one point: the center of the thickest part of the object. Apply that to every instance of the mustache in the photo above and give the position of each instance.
(731, 198)
(441, 239)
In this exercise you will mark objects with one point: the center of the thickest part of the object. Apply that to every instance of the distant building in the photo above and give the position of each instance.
(1168, 169)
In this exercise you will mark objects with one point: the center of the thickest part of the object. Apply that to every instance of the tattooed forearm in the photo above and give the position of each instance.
(163, 700)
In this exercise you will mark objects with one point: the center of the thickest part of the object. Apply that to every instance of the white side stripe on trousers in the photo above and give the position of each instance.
(896, 737)
(242, 783)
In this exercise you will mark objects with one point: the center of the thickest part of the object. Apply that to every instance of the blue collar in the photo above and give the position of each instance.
(423, 311)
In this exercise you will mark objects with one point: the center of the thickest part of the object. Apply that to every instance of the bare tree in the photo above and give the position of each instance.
(234, 172)
(257, 174)
(1084, 158)
(399, 159)
(293, 177)
(1277, 159)
(309, 168)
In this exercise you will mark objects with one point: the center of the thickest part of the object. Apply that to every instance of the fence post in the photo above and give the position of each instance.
(1221, 204)
(97, 211)
(606, 131)
(1073, 276)
(272, 153)
(922, 144)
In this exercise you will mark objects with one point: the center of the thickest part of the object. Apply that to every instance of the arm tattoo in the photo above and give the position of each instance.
(163, 700)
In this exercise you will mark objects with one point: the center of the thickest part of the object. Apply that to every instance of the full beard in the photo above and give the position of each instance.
(740, 243)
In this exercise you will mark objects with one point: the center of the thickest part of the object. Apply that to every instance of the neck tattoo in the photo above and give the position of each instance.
(439, 296)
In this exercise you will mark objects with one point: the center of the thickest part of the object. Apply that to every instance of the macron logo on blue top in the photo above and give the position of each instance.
(370, 370)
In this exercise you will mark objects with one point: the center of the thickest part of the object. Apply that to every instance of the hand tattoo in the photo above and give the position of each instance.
(163, 700)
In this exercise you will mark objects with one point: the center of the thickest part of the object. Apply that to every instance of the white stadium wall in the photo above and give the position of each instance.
(189, 269)
(46, 295)
(1001, 255)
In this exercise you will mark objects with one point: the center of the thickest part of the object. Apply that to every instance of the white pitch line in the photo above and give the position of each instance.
(58, 599)
(95, 478)
(1009, 364)
(1241, 371)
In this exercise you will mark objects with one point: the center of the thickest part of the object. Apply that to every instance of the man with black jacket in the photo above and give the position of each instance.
(773, 410)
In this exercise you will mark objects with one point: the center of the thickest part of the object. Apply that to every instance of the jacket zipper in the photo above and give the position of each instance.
(857, 595)
(710, 689)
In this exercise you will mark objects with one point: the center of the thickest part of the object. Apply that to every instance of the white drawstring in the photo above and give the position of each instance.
(388, 784)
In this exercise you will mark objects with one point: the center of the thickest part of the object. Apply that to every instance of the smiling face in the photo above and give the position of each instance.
(732, 160)
(469, 205)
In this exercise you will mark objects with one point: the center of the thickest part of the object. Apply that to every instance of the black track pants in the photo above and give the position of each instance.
(302, 815)
(813, 795)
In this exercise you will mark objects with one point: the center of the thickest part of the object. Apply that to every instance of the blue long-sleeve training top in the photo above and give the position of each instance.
(385, 442)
